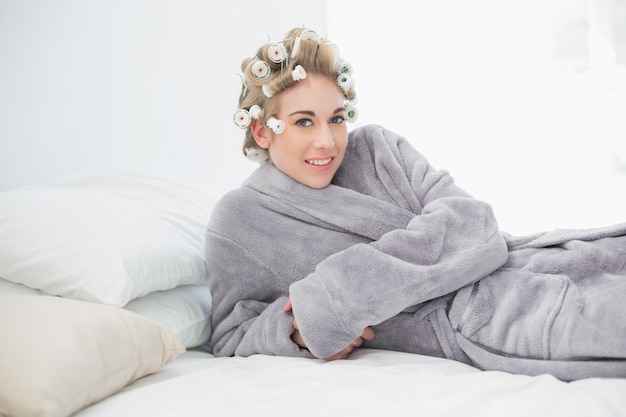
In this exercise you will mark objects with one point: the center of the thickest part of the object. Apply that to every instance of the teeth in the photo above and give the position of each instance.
(319, 162)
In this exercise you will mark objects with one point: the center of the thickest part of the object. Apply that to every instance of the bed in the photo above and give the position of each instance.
(104, 311)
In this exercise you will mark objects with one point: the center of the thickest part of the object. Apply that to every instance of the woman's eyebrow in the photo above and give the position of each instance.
(312, 113)
(307, 112)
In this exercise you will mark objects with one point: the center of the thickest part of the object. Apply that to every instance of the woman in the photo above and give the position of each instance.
(342, 240)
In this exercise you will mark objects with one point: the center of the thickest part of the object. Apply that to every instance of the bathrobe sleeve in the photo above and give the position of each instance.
(452, 241)
(248, 294)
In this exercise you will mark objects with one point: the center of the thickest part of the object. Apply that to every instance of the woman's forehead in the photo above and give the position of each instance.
(315, 93)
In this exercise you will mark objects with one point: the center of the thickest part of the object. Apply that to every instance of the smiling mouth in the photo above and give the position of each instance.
(319, 162)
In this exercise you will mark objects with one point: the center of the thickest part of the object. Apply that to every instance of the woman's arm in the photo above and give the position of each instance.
(452, 242)
(368, 334)
(248, 296)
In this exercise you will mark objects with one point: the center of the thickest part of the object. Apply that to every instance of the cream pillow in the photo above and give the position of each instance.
(184, 311)
(104, 237)
(59, 355)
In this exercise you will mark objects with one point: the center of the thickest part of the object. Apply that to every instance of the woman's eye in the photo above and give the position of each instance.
(337, 119)
(304, 122)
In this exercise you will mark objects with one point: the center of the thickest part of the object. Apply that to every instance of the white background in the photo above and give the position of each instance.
(146, 86)
(523, 102)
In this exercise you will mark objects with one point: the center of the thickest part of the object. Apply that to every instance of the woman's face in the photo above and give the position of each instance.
(312, 146)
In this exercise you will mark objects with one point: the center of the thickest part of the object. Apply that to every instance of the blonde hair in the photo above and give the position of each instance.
(315, 55)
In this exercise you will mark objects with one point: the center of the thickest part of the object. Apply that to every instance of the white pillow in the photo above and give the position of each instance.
(59, 355)
(104, 237)
(14, 288)
(184, 311)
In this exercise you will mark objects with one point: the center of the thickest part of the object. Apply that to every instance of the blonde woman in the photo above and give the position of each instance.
(340, 240)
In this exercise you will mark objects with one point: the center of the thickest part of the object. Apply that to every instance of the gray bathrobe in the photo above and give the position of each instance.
(393, 243)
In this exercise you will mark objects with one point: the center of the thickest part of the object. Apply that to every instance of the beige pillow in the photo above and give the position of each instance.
(184, 311)
(59, 355)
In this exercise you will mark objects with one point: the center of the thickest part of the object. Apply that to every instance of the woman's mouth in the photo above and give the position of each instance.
(319, 162)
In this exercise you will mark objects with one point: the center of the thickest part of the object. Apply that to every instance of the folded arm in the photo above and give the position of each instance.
(248, 301)
(452, 242)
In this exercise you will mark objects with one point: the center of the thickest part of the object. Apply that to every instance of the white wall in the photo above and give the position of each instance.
(506, 95)
(150, 86)
(129, 85)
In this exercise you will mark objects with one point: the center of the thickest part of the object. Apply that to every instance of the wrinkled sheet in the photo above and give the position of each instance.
(371, 382)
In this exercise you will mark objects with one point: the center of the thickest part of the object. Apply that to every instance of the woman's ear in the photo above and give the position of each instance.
(261, 133)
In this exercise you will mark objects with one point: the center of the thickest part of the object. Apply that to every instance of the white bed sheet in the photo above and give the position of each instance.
(370, 383)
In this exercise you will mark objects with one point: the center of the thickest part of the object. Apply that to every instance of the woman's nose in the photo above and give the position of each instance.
(325, 138)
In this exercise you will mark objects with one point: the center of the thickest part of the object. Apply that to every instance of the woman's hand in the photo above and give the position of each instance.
(368, 334)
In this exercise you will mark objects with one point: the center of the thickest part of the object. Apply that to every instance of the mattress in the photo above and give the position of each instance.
(371, 382)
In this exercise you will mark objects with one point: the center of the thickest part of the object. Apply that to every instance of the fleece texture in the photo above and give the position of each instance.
(395, 244)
